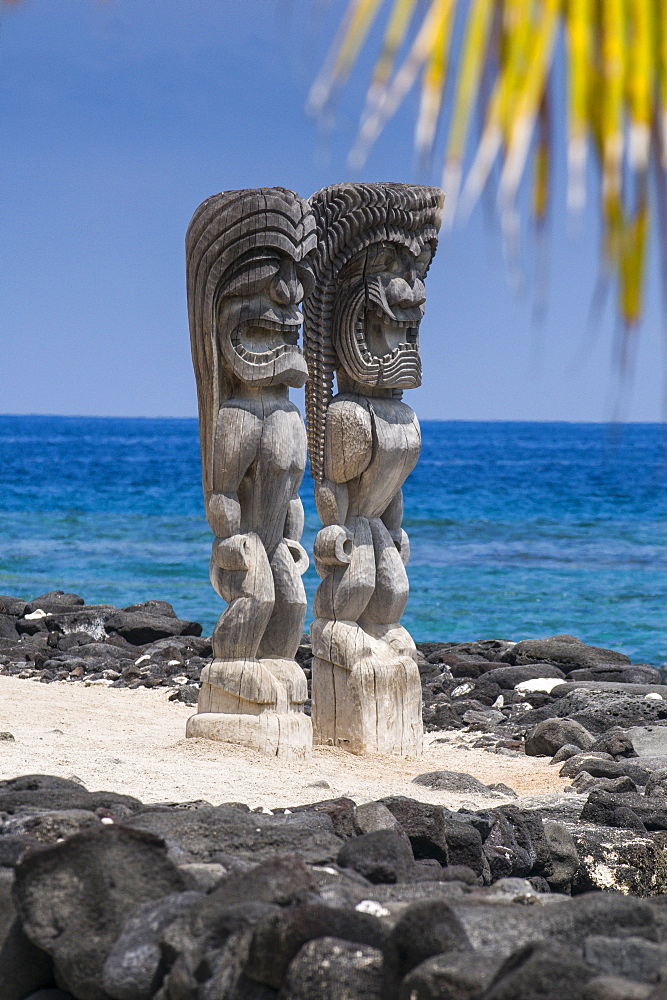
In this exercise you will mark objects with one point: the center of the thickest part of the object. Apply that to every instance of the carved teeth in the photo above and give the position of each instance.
(268, 324)
(263, 357)
(391, 320)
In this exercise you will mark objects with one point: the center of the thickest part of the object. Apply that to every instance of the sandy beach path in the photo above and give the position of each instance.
(133, 742)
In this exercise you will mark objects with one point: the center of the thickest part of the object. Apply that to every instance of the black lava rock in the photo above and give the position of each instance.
(565, 652)
(160, 609)
(139, 628)
(12, 606)
(424, 930)
(205, 834)
(601, 806)
(451, 975)
(329, 968)
(453, 781)
(73, 897)
(601, 710)
(277, 939)
(541, 972)
(134, 969)
(55, 600)
(382, 856)
(615, 742)
(549, 736)
(425, 825)
(509, 677)
(636, 673)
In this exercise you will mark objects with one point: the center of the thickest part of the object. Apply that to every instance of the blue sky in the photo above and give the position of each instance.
(118, 118)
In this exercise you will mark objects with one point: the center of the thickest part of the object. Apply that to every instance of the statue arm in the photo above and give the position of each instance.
(294, 520)
(348, 445)
(332, 501)
(393, 515)
(347, 452)
(235, 443)
(223, 513)
(393, 518)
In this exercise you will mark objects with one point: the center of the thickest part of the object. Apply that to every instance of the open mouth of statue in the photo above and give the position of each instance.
(385, 337)
(263, 339)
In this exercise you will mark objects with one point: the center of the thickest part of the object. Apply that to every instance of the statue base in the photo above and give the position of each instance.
(278, 735)
(254, 703)
(252, 686)
(366, 688)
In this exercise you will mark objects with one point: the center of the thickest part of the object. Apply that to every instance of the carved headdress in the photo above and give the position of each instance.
(226, 229)
(349, 219)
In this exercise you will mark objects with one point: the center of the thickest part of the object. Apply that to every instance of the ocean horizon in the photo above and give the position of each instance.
(580, 423)
(518, 529)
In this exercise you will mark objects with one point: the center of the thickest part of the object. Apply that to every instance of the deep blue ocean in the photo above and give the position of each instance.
(518, 530)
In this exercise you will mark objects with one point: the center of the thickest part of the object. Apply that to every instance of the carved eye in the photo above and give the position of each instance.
(389, 255)
(252, 276)
(423, 260)
(382, 257)
(306, 277)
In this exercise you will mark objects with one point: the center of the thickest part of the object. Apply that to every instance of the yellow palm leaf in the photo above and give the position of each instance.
(518, 28)
(475, 47)
(519, 23)
(640, 80)
(578, 23)
(542, 162)
(434, 84)
(615, 61)
(660, 22)
(613, 69)
(487, 150)
(391, 96)
(632, 262)
(397, 27)
(350, 37)
(528, 102)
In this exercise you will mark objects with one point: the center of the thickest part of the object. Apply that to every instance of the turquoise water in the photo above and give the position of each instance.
(517, 530)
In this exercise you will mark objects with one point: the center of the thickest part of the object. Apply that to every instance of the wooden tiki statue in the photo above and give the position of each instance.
(374, 246)
(247, 271)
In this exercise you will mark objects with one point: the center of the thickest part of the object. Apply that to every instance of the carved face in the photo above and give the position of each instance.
(259, 317)
(377, 313)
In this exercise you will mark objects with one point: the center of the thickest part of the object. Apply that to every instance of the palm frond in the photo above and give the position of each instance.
(391, 95)
(495, 61)
(433, 84)
(397, 27)
(578, 30)
(471, 63)
(349, 39)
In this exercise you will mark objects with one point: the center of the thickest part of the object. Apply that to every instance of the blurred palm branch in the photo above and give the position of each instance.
(487, 74)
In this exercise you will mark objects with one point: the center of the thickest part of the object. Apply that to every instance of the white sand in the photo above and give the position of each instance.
(133, 742)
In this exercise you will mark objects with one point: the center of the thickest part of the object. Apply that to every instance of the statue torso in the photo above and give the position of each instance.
(260, 455)
(396, 443)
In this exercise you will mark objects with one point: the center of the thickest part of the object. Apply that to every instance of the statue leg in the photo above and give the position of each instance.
(241, 701)
(366, 698)
(283, 633)
(383, 611)
(240, 573)
(391, 581)
(366, 695)
(347, 588)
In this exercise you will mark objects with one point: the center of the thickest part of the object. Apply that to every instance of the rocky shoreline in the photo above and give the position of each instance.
(109, 897)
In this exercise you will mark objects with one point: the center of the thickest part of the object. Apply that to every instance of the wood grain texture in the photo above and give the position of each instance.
(375, 243)
(247, 271)
(271, 733)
